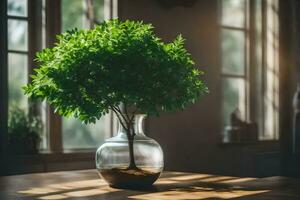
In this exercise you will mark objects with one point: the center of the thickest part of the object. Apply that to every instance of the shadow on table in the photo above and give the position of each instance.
(177, 186)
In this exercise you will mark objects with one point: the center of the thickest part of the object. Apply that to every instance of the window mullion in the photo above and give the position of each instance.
(233, 75)
(19, 17)
(247, 60)
(264, 53)
(18, 51)
(253, 64)
(34, 31)
(53, 27)
(234, 28)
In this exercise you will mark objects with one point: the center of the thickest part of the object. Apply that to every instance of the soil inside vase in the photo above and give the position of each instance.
(129, 178)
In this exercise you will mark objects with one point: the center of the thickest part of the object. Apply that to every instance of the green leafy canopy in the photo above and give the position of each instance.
(89, 72)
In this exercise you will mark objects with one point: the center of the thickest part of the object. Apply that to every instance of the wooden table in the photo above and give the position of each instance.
(86, 184)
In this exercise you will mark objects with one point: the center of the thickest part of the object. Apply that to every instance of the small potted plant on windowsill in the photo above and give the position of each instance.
(124, 68)
(23, 132)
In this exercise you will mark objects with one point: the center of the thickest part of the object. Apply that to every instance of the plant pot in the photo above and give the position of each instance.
(135, 163)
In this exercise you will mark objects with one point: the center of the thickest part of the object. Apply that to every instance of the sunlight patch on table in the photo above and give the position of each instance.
(196, 193)
(238, 180)
(61, 187)
(80, 193)
(189, 177)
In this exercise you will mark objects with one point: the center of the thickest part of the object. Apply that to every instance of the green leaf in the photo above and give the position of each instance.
(88, 72)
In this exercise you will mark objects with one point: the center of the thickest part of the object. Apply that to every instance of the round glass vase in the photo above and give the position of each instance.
(130, 163)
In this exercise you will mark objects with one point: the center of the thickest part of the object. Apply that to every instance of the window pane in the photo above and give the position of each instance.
(17, 78)
(233, 13)
(79, 136)
(17, 35)
(75, 134)
(73, 14)
(17, 7)
(271, 79)
(43, 116)
(258, 70)
(233, 52)
(233, 98)
(98, 10)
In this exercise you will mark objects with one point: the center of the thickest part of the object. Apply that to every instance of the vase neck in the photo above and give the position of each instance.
(137, 125)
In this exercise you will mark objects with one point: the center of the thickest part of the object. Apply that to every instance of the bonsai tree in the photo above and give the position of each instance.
(90, 72)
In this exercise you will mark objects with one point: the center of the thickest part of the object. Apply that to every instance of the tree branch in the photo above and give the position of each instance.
(127, 114)
(119, 117)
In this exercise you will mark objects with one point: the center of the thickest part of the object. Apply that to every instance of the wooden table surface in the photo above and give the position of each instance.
(86, 184)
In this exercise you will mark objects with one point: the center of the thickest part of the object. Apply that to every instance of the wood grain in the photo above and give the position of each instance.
(86, 184)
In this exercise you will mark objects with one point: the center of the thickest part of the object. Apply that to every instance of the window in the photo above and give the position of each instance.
(249, 51)
(83, 14)
(31, 26)
(233, 39)
(17, 52)
(21, 49)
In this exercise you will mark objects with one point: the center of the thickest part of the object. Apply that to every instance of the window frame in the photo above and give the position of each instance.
(53, 28)
(252, 100)
(3, 79)
(223, 75)
(53, 121)
(245, 30)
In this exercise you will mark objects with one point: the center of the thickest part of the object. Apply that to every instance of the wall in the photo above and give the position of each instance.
(191, 139)
(290, 32)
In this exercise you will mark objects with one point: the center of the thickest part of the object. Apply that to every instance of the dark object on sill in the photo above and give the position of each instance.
(29, 146)
(23, 132)
(296, 131)
(241, 131)
(129, 178)
(176, 3)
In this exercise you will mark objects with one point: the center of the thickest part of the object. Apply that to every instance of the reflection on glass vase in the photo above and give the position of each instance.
(130, 159)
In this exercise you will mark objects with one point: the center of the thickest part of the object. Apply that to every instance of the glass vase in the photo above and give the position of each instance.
(130, 163)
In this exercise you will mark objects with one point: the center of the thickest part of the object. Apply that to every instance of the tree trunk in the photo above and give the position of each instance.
(132, 164)
(130, 133)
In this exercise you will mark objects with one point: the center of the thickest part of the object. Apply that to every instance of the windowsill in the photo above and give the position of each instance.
(48, 156)
(248, 143)
(69, 151)
(45, 158)
(46, 161)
